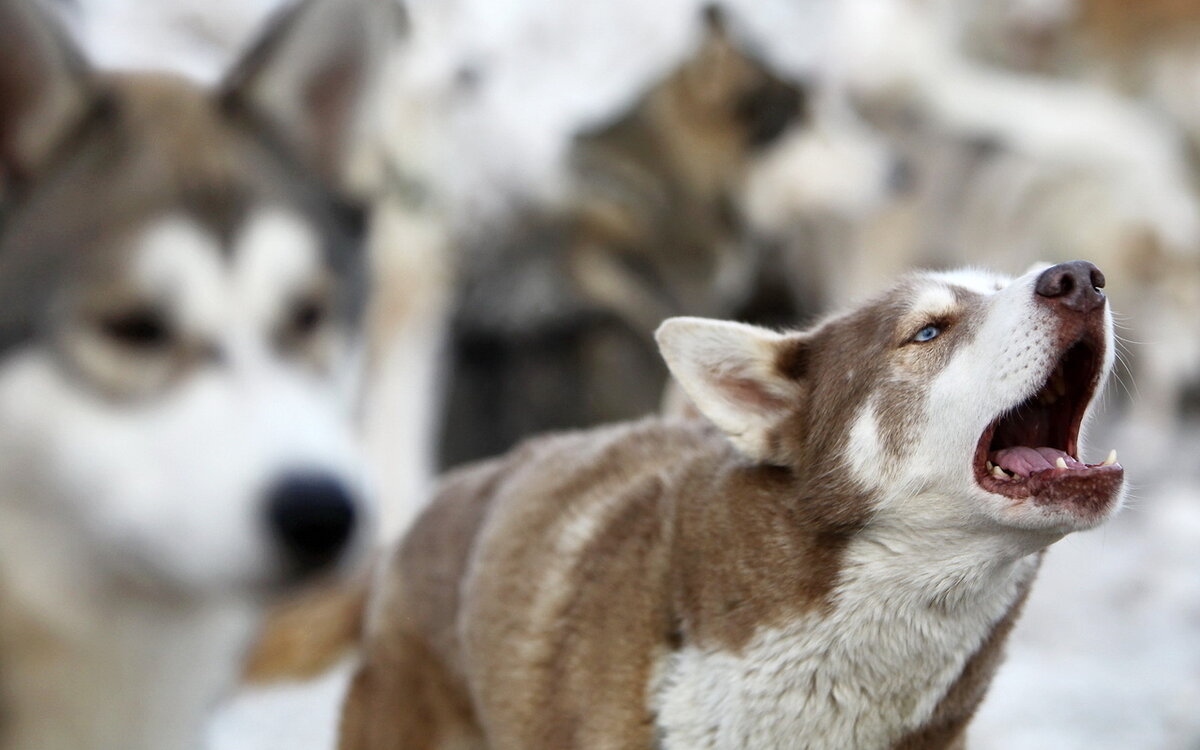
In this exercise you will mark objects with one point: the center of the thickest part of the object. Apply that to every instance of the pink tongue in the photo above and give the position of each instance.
(1025, 461)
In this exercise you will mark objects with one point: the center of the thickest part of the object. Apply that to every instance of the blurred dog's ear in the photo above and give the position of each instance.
(309, 76)
(712, 73)
(44, 88)
(715, 19)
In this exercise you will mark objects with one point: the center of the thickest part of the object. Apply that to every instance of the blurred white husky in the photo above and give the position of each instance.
(182, 284)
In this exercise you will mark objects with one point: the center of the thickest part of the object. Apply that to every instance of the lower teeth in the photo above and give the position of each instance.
(1060, 463)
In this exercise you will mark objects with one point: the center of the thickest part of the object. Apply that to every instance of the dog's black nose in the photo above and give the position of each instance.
(1075, 285)
(312, 517)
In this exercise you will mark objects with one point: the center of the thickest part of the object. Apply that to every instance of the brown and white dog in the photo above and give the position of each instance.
(181, 288)
(832, 560)
(555, 307)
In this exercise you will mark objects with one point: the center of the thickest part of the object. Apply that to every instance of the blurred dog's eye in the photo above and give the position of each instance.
(928, 333)
(139, 329)
(305, 317)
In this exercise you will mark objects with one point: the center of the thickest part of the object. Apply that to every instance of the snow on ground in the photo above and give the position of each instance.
(283, 717)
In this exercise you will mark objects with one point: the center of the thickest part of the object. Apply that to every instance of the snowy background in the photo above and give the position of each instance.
(1107, 655)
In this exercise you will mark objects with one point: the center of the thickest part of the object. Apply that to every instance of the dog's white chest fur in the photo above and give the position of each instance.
(861, 676)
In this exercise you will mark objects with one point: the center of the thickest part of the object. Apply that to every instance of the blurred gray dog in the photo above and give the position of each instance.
(182, 283)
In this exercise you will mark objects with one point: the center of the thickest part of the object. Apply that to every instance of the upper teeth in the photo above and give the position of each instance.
(1112, 458)
(1060, 462)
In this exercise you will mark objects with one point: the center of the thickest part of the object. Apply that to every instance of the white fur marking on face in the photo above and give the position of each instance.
(864, 451)
(972, 279)
(275, 255)
(935, 300)
(178, 262)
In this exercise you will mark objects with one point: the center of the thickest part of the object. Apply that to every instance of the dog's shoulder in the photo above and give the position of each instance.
(540, 508)
(562, 479)
(573, 564)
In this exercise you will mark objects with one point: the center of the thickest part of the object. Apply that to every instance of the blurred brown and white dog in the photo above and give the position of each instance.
(832, 560)
(554, 310)
(182, 286)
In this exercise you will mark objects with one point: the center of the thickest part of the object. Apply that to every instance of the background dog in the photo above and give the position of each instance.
(551, 325)
(182, 285)
(835, 565)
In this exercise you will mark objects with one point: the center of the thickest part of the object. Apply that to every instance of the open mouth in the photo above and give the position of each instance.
(1032, 450)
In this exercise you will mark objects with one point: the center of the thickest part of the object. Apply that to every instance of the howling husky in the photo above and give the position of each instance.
(181, 281)
(832, 559)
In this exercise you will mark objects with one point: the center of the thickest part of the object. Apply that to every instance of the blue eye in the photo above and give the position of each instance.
(928, 333)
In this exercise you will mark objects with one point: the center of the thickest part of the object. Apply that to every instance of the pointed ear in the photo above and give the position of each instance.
(311, 74)
(712, 73)
(44, 88)
(741, 377)
(715, 20)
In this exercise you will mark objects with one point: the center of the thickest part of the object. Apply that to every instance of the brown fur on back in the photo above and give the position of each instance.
(472, 632)
(469, 593)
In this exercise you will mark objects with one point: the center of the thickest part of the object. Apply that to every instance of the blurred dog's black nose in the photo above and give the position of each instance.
(312, 517)
(1075, 285)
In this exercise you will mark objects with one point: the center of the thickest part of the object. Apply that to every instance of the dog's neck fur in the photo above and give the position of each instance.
(84, 668)
(868, 664)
